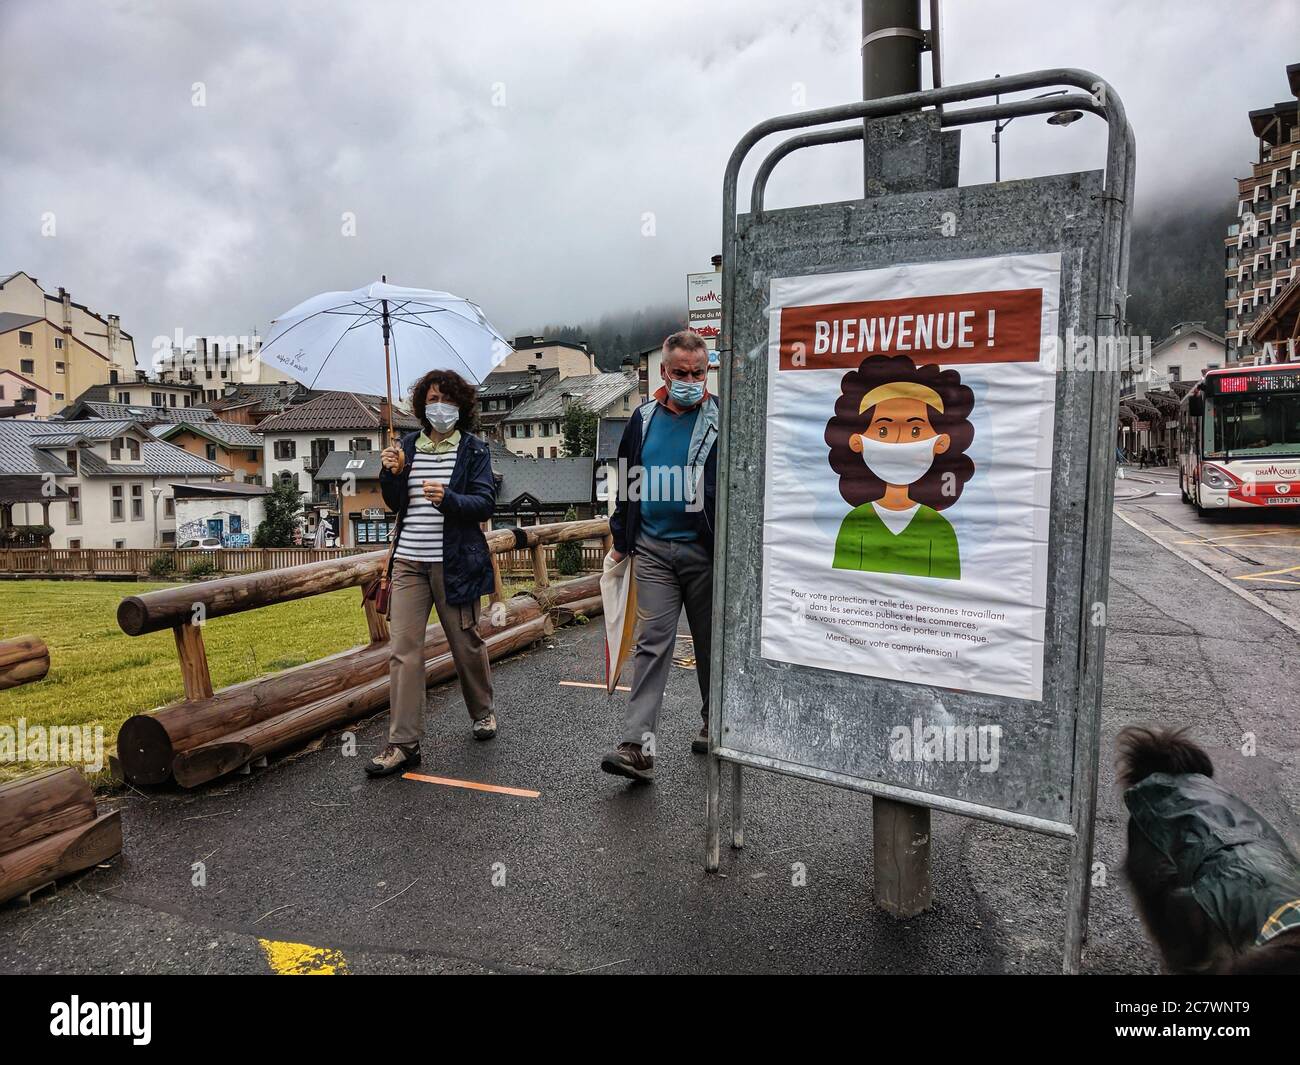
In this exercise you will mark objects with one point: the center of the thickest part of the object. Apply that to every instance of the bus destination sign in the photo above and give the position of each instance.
(1282, 381)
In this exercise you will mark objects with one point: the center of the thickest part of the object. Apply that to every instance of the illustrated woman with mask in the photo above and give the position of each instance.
(439, 483)
(898, 442)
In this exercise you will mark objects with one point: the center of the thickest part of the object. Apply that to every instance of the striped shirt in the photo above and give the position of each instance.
(420, 537)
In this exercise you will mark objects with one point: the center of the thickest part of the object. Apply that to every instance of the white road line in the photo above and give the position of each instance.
(1218, 578)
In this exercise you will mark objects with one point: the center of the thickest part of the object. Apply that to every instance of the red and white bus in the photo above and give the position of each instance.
(1239, 438)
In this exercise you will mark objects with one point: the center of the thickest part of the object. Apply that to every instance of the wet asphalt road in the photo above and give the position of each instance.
(596, 875)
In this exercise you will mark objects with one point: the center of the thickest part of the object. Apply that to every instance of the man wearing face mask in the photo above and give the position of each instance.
(439, 483)
(664, 518)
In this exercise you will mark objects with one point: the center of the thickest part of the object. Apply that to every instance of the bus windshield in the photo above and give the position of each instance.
(1249, 426)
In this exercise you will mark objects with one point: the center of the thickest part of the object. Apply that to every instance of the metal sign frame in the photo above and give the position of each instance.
(1115, 195)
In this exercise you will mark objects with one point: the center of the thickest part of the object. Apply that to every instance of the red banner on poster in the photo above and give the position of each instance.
(967, 327)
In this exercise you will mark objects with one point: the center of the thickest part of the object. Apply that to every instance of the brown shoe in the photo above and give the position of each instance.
(629, 760)
(486, 728)
(393, 759)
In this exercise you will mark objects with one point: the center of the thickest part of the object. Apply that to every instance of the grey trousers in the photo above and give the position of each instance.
(418, 588)
(670, 574)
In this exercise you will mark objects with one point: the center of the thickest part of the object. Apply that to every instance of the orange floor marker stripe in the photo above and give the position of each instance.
(523, 793)
(591, 684)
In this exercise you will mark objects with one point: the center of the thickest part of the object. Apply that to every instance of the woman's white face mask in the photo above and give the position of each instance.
(442, 416)
(899, 464)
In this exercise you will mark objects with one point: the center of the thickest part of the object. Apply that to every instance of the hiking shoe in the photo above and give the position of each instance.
(393, 759)
(486, 728)
(628, 760)
(700, 745)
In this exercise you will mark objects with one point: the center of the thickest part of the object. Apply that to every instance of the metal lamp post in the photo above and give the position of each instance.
(1060, 118)
(155, 491)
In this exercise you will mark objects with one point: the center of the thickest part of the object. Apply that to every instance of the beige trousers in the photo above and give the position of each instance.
(417, 589)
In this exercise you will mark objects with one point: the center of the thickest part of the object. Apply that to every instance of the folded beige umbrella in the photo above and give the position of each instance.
(618, 594)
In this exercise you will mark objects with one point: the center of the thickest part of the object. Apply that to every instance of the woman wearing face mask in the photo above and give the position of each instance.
(439, 483)
(898, 442)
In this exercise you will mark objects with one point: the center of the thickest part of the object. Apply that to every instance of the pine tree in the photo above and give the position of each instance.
(283, 506)
(568, 555)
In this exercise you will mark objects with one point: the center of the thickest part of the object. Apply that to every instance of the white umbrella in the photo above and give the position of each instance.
(334, 341)
(618, 596)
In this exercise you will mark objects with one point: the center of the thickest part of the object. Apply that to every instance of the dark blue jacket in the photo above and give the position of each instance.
(625, 522)
(469, 499)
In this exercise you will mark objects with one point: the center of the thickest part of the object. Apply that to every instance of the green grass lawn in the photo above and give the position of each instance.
(100, 676)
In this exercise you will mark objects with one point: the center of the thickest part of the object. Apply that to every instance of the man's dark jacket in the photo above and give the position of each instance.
(625, 522)
(469, 499)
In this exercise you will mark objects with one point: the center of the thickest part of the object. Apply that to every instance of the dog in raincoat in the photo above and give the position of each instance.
(1217, 887)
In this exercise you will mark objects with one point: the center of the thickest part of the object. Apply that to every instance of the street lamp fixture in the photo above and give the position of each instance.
(1059, 118)
(1064, 118)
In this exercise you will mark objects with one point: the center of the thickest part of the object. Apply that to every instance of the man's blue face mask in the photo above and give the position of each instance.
(686, 393)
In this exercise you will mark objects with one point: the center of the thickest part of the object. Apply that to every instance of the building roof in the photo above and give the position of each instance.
(25, 380)
(339, 464)
(107, 393)
(71, 431)
(134, 412)
(1280, 319)
(28, 488)
(58, 298)
(157, 459)
(228, 434)
(224, 490)
(521, 343)
(503, 384)
(594, 391)
(28, 447)
(549, 481)
(609, 434)
(10, 320)
(335, 410)
(1182, 329)
(269, 398)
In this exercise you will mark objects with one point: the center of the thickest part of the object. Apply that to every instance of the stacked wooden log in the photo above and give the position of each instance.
(23, 660)
(49, 829)
(198, 740)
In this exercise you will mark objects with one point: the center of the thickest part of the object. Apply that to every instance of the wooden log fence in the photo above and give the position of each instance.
(208, 734)
(50, 829)
(129, 562)
(23, 659)
(137, 562)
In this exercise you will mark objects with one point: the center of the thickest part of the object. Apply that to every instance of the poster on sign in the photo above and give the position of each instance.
(909, 471)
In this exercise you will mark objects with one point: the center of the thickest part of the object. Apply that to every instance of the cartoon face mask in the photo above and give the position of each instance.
(903, 463)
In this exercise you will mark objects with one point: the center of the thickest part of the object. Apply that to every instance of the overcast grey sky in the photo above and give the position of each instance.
(512, 151)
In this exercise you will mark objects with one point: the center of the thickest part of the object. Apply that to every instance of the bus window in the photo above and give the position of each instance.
(1252, 425)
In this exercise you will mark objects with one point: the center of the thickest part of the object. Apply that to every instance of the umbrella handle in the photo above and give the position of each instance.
(388, 374)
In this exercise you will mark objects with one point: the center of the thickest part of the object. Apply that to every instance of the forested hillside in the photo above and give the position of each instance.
(1176, 269)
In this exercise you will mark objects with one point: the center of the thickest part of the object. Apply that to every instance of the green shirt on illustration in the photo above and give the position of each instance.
(927, 547)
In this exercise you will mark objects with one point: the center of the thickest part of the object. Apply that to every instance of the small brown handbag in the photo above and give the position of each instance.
(380, 590)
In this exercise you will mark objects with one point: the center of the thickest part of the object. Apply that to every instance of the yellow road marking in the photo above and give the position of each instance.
(300, 959)
(591, 684)
(1213, 540)
(1269, 575)
(523, 793)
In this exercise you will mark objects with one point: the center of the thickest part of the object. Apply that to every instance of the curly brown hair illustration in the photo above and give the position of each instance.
(898, 443)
